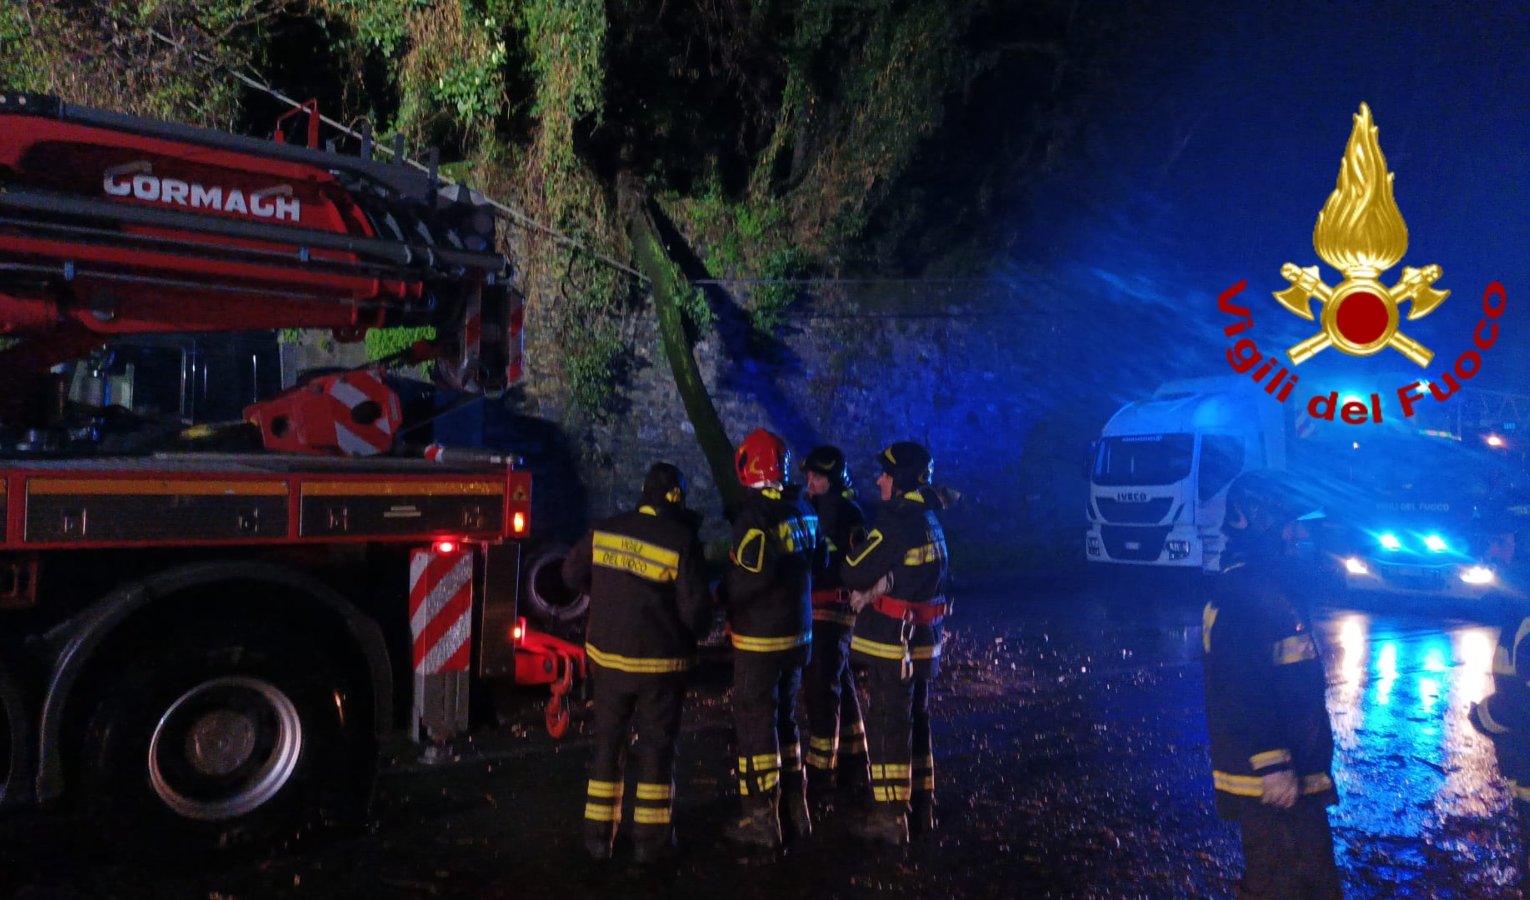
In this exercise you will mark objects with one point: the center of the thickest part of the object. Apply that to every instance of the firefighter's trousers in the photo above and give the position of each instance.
(836, 734)
(765, 689)
(1289, 853)
(898, 737)
(649, 705)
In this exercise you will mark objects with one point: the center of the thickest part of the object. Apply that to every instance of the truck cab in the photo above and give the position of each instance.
(1160, 471)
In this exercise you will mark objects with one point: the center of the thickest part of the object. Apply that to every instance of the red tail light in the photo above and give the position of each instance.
(445, 548)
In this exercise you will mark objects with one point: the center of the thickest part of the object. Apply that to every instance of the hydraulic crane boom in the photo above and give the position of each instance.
(113, 225)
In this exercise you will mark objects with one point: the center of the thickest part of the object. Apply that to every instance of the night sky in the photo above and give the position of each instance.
(1220, 137)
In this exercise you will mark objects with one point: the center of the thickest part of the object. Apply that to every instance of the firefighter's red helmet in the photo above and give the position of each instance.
(762, 457)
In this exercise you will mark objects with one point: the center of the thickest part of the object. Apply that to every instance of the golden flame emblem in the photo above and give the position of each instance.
(1361, 232)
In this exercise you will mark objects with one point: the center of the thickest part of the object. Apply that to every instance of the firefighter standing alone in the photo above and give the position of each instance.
(900, 574)
(836, 734)
(1271, 741)
(648, 602)
(775, 534)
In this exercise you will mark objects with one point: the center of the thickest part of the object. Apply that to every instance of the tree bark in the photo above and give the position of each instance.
(667, 284)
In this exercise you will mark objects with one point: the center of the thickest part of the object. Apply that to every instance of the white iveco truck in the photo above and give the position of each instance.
(1161, 468)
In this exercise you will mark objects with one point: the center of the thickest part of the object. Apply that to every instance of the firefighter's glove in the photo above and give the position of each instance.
(1482, 719)
(859, 600)
(1278, 789)
(1475, 718)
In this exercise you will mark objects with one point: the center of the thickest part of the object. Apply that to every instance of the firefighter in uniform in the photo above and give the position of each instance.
(648, 601)
(900, 576)
(836, 734)
(767, 592)
(1271, 741)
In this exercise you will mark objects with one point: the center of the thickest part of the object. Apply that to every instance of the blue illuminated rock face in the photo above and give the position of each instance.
(1007, 384)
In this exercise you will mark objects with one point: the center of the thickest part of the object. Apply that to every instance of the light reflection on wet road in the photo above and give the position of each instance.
(1423, 809)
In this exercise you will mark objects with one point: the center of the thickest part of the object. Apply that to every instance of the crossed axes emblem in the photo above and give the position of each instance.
(1367, 298)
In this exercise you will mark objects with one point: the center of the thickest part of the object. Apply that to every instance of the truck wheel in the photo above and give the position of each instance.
(225, 737)
(15, 742)
(546, 595)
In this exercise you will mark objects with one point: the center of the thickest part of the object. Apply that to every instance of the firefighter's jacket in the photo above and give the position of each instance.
(769, 579)
(842, 527)
(1504, 715)
(1265, 688)
(908, 544)
(648, 591)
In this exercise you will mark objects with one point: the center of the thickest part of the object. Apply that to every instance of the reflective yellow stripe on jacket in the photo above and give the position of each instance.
(639, 665)
(640, 558)
(1294, 649)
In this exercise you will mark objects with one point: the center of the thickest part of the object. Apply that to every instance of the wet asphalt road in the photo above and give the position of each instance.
(1071, 757)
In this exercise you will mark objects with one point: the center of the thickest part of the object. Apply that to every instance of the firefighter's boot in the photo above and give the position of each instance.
(656, 849)
(855, 781)
(820, 784)
(921, 817)
(597, 839)
(884, 823)
(796, 819)
(760, 827)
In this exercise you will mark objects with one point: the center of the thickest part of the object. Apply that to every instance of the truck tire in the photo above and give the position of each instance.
(224, 736)
(15, 743)
(547, 597)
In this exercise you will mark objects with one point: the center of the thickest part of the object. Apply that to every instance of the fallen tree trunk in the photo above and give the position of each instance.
(668, 286)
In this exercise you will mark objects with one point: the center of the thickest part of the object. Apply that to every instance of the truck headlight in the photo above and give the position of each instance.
(1478, 575)
(1177, 549)
(1094, 545)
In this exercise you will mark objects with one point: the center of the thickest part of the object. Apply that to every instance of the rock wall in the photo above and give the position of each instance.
(1001, 391)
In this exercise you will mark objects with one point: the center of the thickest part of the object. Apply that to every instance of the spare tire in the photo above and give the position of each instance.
(546, 596)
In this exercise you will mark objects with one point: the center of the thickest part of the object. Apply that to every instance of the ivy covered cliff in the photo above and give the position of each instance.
(784, 140)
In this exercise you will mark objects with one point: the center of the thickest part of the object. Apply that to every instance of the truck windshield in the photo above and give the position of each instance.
(1144, 459)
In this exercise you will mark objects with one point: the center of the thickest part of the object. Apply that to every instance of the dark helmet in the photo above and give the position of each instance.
(762, 457)
(665, 484)
(829, 462)
(910, 465)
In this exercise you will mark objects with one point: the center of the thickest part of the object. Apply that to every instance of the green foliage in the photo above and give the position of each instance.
(21, 57)
(591, 364)
(380, 25)
(383, 342)
(772, 300)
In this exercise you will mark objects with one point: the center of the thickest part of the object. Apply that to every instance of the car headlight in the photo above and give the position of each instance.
(1356, 566)
(1478, 575)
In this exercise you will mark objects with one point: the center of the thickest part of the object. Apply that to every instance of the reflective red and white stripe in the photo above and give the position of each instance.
(440, 610)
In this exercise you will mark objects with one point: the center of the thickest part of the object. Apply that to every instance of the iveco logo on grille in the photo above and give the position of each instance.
(1131, 497)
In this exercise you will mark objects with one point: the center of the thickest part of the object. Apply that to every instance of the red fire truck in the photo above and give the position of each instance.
(205, 631)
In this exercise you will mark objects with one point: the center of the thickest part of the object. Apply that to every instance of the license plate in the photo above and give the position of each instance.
(1134, 545)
